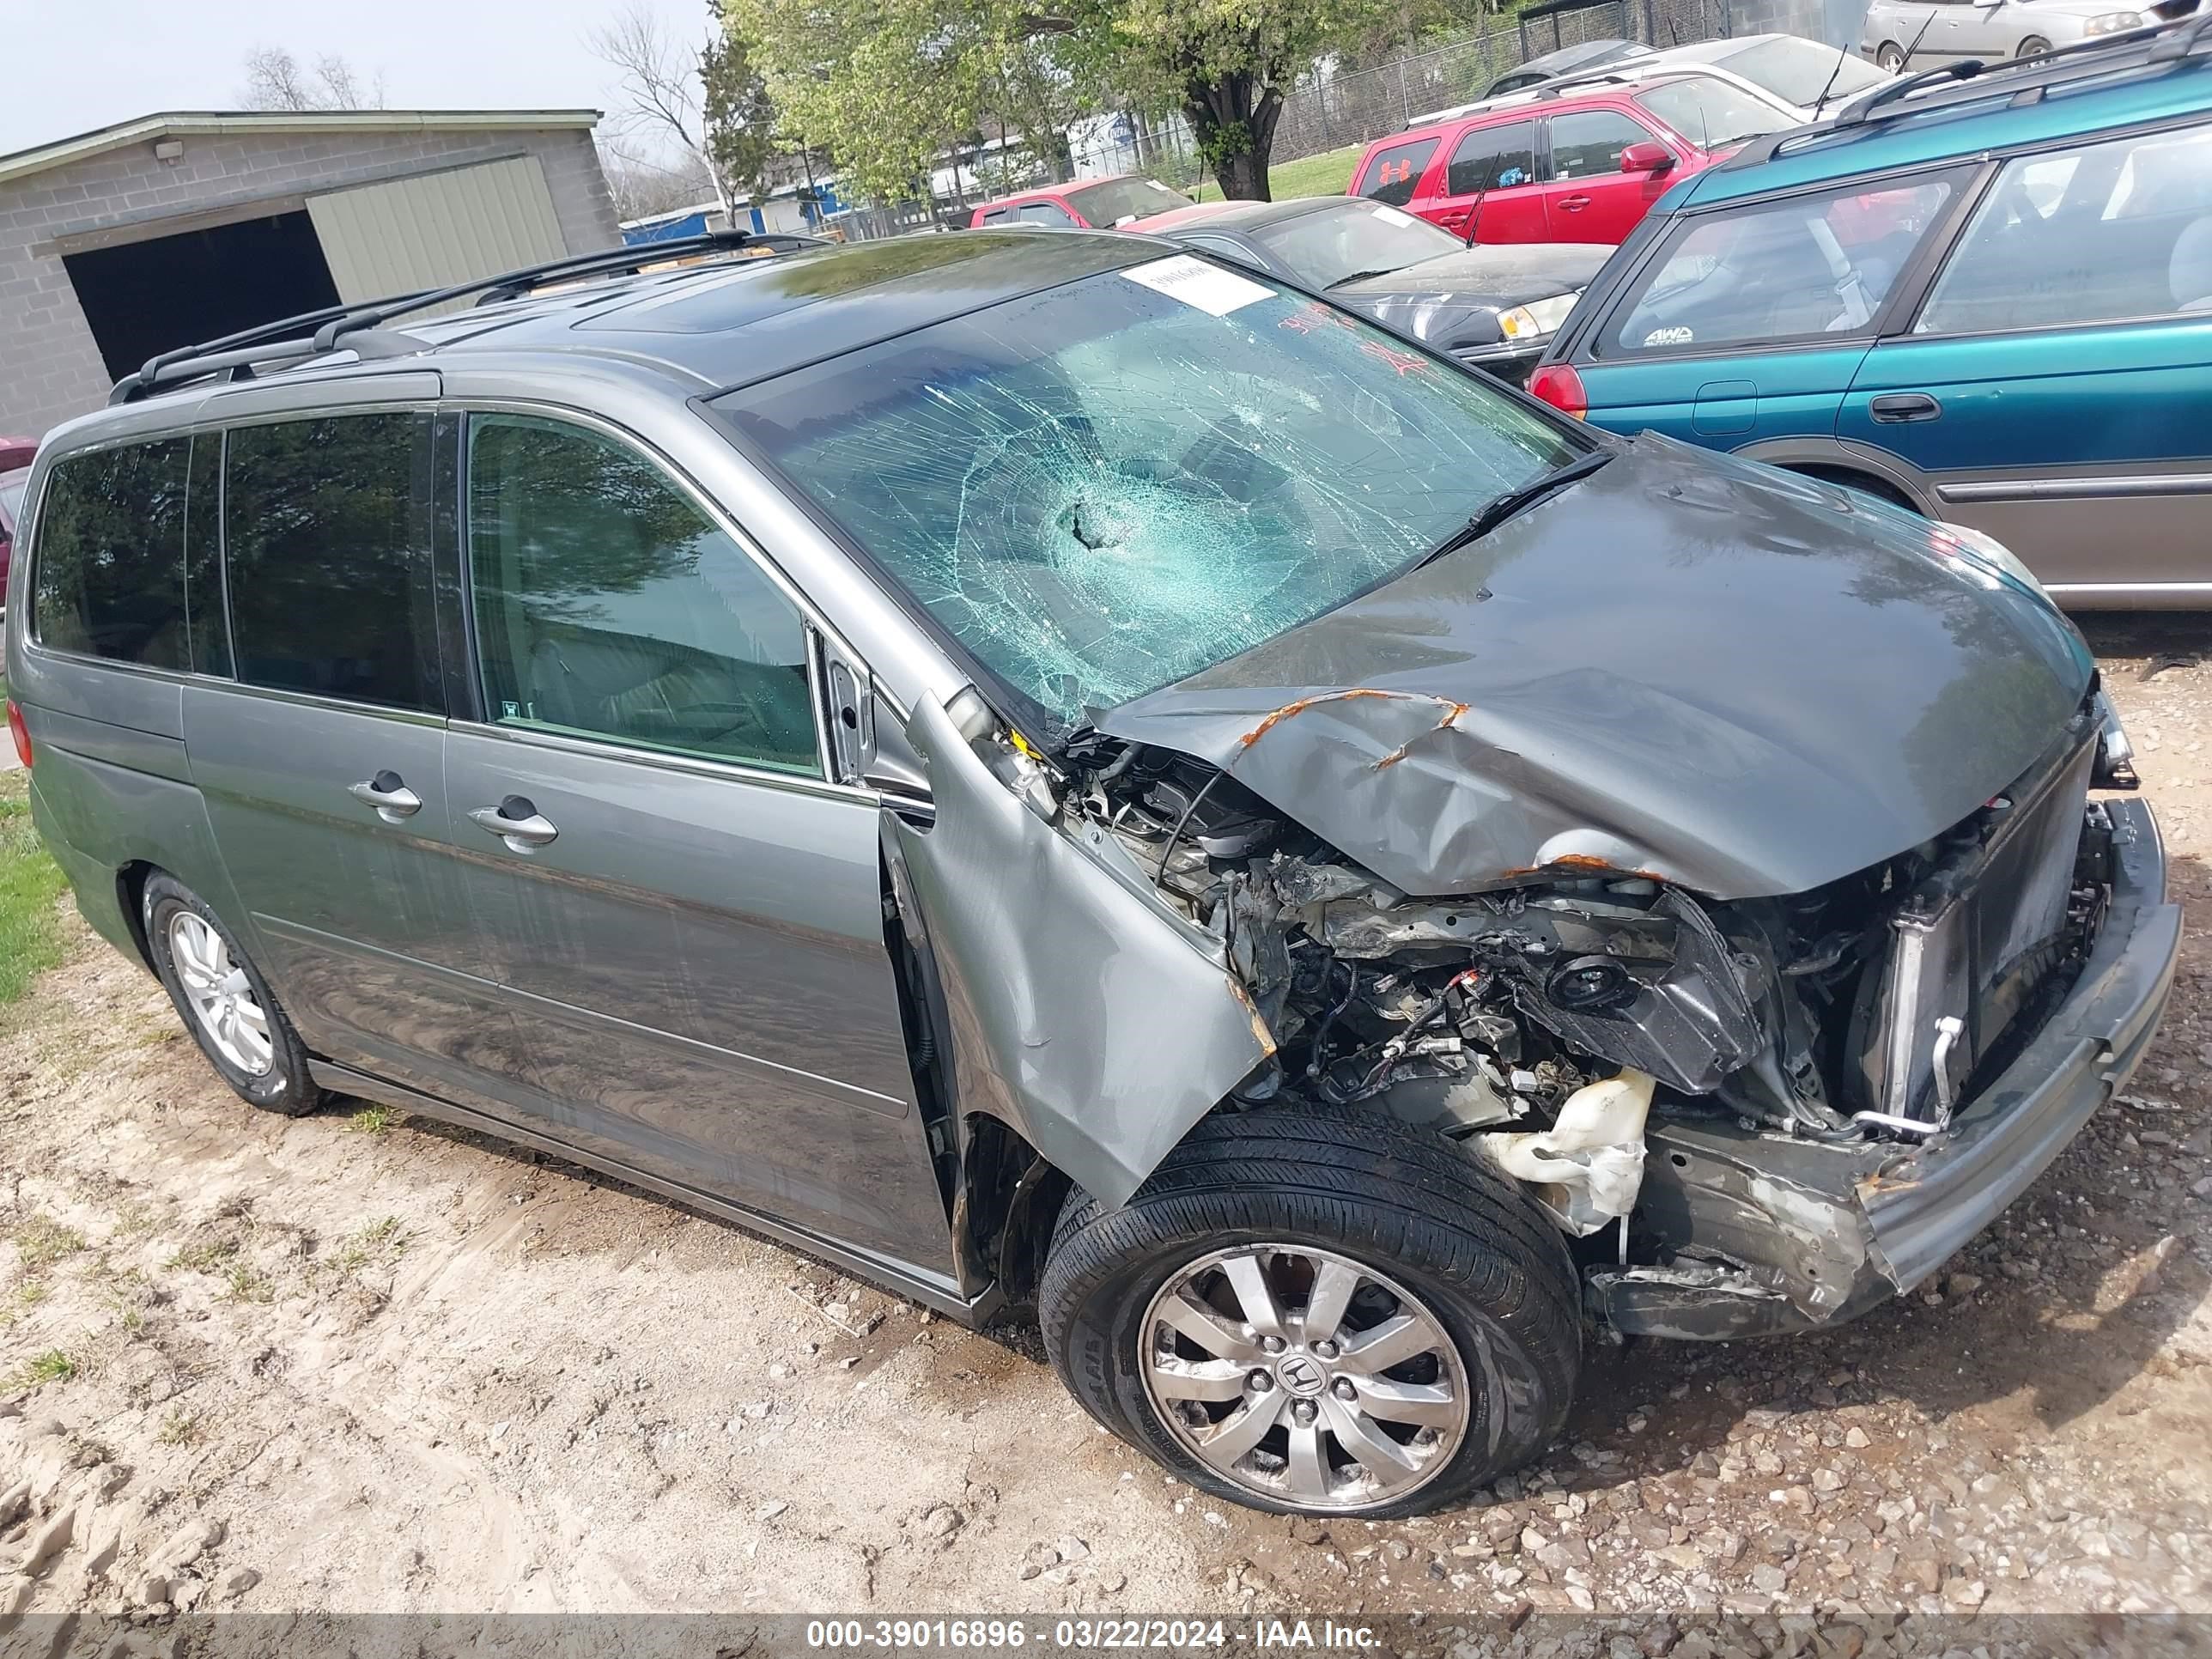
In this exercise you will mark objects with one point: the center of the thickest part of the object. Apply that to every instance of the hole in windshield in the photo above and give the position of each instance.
(1103, 488)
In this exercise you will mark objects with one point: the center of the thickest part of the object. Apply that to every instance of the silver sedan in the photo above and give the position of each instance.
(1917, 34)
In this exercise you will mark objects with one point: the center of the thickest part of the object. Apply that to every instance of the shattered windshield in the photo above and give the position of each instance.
(1103, 488)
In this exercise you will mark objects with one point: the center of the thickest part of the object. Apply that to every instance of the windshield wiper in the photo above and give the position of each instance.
(1515, 502)
(1359, 276)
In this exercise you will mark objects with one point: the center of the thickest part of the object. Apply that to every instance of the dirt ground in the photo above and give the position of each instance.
(359, 1363)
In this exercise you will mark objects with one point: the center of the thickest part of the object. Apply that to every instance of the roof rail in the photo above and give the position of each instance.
(2169, 44)
(359, 327)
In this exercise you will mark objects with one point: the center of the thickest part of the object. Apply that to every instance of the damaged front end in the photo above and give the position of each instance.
(1727, 1104)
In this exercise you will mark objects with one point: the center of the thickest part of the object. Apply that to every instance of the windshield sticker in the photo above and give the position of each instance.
(1197, 284)
(1390, 215)
(1666, 336)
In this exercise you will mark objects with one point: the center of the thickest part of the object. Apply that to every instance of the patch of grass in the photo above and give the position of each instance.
(1326, 174)
(204, 1257)
(20, 1301)
(367, 1243)
(52, 1366)
(246, 1283)
(372, 1119)
(30, 882)
(42, 1241)
(180, 1429)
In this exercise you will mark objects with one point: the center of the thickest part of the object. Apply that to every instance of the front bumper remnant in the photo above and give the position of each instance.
(1764, 1235)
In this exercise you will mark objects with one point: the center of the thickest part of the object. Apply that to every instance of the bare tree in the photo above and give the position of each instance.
(661, 87)
(642, 187)
(275, 79)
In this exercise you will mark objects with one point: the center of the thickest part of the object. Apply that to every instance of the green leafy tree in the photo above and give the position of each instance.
(1227, 65)
(889, 85)
(741, 118)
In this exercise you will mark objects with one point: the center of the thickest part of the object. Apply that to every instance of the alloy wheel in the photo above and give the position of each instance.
(222, 998)
(1303, 1376)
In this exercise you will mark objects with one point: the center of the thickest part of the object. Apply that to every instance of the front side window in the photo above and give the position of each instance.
(1104, 488)
(1809, 266)
(608, 606)
(1494, 158)
(1396, 171)
(1586, 142)
(1045, 213)
(2100, 234)
(326, 545)
(109, 577)
(1351, 239)
(1712, 114)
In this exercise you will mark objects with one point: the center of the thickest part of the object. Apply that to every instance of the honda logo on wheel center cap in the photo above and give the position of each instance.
(1300, 1374)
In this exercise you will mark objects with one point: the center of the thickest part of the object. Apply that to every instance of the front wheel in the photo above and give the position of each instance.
(1318, 1311)
(1891, 58)
(2034, 46)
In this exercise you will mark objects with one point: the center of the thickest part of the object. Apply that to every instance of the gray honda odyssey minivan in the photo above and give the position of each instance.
(1046, 771)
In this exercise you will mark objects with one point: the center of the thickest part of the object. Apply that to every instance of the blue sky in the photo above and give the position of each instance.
(82, 63)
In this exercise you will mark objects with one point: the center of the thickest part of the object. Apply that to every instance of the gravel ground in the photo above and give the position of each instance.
(353, 1363)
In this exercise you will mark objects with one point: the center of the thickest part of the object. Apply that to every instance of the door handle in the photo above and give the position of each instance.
(517, 822)
(394, 801)
(1574, 203)
(1897, 408)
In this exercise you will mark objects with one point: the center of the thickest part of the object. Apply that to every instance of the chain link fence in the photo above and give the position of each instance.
(1331, 109)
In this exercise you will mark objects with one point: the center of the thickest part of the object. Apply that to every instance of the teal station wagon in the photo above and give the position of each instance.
(1984, 292)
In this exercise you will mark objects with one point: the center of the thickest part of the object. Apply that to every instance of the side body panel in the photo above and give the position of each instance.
(2087, 450)
(1726, 401)
(697, 965)
(362, 924)
(1605, 207)
(1501, 214)
(1082, 1010)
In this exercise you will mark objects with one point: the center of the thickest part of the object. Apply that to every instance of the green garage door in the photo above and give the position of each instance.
(436, 227)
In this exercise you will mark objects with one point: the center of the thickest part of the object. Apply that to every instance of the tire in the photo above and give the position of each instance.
(1890, 60)
(280, 1083)
(1297, 1191)
(2034, 45)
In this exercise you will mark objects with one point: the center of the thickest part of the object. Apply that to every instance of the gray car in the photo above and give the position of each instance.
(1047, 770)
(1900, 35)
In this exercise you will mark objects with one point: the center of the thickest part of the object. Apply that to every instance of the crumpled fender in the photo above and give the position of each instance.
(1084, 1011)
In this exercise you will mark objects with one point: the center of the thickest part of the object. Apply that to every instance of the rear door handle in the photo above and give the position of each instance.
(1897, 408)
(394, 801)
(1574, 203)
(517, 822)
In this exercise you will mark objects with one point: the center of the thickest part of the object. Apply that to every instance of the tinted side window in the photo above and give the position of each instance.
(1494, 158)
(1588, 142)
(607, 605)
(1810, 265)
(1046, 213)
(1394, 173)
(110, 581)
(2107, 231)
(326, 545)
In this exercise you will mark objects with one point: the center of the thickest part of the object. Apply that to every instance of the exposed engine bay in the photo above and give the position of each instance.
(1565, 1022)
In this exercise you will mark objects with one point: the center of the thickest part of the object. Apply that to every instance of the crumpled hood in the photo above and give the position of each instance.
(1686, 665)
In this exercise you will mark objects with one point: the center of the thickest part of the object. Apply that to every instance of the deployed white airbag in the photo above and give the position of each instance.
(1587, 1166)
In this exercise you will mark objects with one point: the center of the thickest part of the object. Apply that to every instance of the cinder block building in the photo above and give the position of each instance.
(126, 242)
